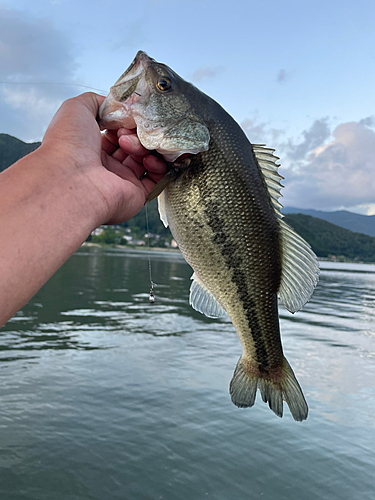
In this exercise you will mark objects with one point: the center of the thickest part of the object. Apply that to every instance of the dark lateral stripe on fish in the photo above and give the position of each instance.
(228, 251)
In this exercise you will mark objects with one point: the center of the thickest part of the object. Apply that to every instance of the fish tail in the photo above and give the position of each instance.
(274, 388)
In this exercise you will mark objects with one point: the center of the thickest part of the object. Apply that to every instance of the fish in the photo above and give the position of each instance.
(220, 199)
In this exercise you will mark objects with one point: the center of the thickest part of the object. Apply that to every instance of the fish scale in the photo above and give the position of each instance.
(220, 200)
(249, 266)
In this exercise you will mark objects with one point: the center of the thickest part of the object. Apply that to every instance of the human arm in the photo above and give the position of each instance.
(51, 200)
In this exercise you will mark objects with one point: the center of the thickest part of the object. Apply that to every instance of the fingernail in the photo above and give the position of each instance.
(124, 131)
(130, 140)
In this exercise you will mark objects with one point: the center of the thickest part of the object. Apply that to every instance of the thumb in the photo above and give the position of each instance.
(91, 100)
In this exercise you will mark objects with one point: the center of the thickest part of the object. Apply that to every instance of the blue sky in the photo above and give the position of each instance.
(297, 75)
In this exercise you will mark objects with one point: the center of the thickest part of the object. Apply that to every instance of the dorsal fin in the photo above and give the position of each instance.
(300, 267)
(267, 163)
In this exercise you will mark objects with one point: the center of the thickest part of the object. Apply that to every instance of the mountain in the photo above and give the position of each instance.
(12, 149)
(326, 239)
(354, 222)
(320, 229)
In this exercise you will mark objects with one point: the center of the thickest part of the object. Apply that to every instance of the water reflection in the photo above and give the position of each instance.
(105, 395)
(335, 333)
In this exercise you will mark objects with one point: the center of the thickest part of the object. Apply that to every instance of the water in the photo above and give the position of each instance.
(104, 396)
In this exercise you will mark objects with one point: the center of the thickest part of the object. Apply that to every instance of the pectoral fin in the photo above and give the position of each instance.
(162, 184)
(162, 209)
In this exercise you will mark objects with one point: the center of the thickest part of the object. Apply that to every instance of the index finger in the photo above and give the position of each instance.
(131, 145)
(155, 167)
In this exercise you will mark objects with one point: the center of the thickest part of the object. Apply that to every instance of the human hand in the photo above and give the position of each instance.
(53, 198)
(111, 165)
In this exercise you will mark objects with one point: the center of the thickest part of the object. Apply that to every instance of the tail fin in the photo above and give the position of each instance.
(244, 385)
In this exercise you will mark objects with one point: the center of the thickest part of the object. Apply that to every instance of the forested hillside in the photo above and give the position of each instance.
(355, 222)
(12, 149)
(326, 239)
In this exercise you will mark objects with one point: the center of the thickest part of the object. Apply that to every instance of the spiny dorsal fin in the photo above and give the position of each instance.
(202, 300)
(267, 163)
(300, 267)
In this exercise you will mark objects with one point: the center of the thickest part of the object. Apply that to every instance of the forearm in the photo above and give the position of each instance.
(47, 212)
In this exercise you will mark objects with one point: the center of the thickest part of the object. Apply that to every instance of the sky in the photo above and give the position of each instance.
(299, 76)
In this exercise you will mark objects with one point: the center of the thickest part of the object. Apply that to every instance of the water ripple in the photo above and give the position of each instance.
(104, 395)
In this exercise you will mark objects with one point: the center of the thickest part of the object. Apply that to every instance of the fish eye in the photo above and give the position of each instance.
(164, 83)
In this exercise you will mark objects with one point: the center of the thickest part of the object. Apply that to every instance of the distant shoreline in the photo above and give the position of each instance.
(145, 249)
(125, 248)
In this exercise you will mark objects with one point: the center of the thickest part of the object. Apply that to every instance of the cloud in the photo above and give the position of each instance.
(206, 72)
(335, 174)
(281, 76)
(32, 47)
(312, 138)
(363, 208)
(368, 122)
(32, 52)
(261, 133)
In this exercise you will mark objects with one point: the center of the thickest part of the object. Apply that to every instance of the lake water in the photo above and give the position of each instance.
(105, 396)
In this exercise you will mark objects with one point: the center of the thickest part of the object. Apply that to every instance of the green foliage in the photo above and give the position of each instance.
(109, 236)
(354, 222)
(138, 224)
(12, 149)
(328, 240)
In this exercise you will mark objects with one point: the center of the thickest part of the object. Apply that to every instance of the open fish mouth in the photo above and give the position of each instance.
(148, 96)
(114, 112)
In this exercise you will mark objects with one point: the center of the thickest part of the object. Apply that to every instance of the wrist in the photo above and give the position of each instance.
(74, 184)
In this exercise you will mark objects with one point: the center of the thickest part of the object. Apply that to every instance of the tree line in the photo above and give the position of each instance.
(326, 239)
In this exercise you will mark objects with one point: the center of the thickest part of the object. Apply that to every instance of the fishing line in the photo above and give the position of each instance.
(54, 83)
(152, 284)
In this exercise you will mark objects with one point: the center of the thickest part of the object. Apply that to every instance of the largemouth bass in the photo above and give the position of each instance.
(220, 200)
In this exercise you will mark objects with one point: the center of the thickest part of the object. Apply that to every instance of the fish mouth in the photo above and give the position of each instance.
(115, 110)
